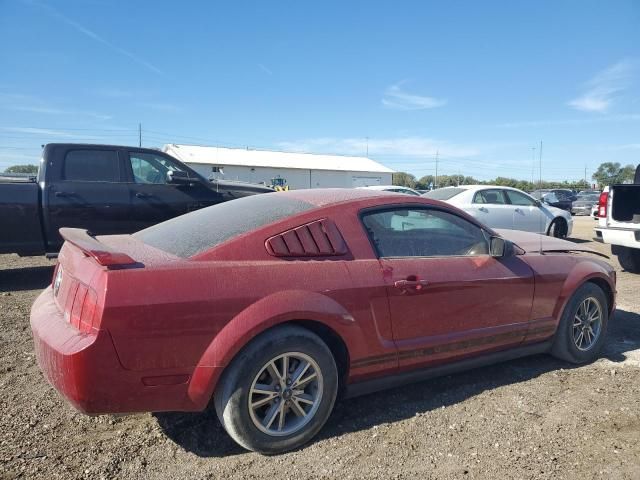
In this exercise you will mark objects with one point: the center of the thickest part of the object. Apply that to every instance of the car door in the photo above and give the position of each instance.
(527, 215)
(153, 198)
(447, 296)
(490, 207)
(87, 190)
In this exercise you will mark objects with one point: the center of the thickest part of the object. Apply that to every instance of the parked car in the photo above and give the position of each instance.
(594, 211)
(393, 188)
(268, 307)
(619, 222)
(506, 207)
(106, 189)
(553, 198)
(584, 203)
(589, 192)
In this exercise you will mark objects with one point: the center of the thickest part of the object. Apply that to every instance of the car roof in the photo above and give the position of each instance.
(322, 197)
(483, 187)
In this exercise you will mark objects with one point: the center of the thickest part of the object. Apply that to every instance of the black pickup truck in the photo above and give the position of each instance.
(105, 189)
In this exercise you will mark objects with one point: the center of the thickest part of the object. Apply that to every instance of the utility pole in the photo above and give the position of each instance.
(367, 147)
(540, 164)
(140, 135)
(533, 164)
(585, 177)
(436, 182)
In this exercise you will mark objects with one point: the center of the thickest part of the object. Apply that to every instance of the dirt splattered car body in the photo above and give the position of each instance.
(150, 321)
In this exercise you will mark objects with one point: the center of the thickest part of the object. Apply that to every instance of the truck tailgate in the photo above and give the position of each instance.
(20, 215)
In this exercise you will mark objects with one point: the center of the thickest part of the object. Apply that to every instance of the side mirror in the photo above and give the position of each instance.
(177, 176)
(500, 248)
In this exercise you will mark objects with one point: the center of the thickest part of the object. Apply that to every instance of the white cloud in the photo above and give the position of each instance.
(161, 107)
(27, 103)
(401, 146)
(626, 117)
(265, 69)
(602, 89)
(397, 99)
(94, 36)
(37, 131)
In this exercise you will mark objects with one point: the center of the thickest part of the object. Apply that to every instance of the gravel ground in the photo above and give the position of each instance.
(530, 418)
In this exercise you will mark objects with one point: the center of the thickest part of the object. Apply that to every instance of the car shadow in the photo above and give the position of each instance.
(203, 435)
(578, 240)
(27, 278)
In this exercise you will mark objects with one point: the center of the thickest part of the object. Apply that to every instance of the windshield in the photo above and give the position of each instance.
(198, 231)
(443, 193)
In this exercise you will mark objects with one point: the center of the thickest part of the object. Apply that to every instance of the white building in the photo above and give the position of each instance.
(299, 170)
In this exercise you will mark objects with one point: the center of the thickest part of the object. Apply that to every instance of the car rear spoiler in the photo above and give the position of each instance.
(91, 247)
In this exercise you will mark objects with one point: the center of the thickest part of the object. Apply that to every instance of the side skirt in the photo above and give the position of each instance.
(392, 381)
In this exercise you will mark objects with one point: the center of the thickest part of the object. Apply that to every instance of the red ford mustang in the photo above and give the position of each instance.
(270, 306)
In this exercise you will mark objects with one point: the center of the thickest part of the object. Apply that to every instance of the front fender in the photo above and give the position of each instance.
(581, 273)
(277, 308)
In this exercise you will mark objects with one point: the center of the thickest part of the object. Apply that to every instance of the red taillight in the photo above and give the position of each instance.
(602, 204)
(89, 308)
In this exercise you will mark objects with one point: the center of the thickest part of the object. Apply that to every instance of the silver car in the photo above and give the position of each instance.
(584, 203)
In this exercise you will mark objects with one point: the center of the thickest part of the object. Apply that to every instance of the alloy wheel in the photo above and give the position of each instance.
(285, 394)
(587, 324)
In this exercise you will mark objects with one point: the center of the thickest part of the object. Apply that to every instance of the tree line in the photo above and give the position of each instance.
(608, 173)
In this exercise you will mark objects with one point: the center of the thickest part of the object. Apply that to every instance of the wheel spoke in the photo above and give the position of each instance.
(285, 367)
(275, 374)
(579, 339)
(283, 415)
(297, 409)
(305, 398)
(305, 381)
(577, 321)
(299, 372)
(271, 415)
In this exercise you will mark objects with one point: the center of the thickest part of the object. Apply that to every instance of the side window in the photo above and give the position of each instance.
(517, 198)
(493, 196)
(409, 232)
(150, 168)
(91, 166)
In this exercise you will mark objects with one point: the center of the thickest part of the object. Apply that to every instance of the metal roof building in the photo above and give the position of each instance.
(299, 170)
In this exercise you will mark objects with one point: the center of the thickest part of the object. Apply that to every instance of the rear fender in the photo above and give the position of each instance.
(266, 313)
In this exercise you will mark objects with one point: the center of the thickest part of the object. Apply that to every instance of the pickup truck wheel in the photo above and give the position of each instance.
(279, 391)
(558, 228)
(629, 258)
(583, 326)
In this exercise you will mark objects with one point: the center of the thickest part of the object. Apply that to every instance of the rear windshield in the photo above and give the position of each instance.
(443, 193)
(195, 232)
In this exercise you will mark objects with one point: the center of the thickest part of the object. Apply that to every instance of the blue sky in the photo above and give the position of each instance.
(481, 83)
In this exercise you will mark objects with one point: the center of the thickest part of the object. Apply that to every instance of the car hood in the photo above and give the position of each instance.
(533, 243)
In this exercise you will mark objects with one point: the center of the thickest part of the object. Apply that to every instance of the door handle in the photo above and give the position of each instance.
(64, 194)
(406, 284)
(142, 195)
(518, 210)
(483, 209)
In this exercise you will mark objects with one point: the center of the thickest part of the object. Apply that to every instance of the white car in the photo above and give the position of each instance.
(394, 188)
(505, 207)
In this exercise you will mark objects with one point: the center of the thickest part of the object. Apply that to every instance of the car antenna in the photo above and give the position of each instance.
(540, 187)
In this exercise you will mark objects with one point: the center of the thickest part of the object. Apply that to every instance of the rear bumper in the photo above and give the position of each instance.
(581, 210)
(618, 236)
(85, 369)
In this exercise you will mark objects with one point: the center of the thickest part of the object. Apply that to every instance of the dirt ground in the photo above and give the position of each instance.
(531, 418)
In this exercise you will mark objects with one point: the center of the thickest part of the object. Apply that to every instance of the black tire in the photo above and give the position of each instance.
(558, 228)
(232, 396)
(564, 346)
(629, 259)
